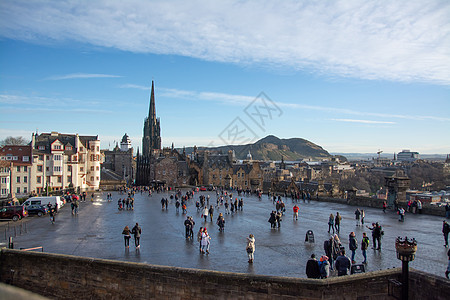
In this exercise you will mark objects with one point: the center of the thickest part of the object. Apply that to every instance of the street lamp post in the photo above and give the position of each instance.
(406, 252)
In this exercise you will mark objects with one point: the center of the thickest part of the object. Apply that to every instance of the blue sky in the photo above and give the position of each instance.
(350, 76)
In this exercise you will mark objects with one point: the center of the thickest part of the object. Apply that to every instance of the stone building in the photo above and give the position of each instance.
(248, 175)
(151, 139)
(5, 178)
(120, 160)
(19, 162)
(62, 161)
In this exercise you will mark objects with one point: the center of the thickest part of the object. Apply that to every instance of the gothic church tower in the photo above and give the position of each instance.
(152, 131)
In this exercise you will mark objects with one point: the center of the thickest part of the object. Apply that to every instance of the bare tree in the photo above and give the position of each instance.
(14, 140)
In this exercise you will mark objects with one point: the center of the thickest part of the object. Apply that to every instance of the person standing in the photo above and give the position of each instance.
(324, 267)
(358, 217)
(445, 231)
(250, 248)
(136, 231)
(295, 209)
(205, 241)
(384, 206)
(328, 248)
(364, 246)
(363, 215)
(331, 223)
(419, 206)
(447, 211)
(187, 226)
(353, 245)
(337, 222)
(312, 268)
(279, 217)
(343, 264)
(126, 236)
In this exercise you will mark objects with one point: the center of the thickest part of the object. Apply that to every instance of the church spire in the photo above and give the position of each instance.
(152, 110)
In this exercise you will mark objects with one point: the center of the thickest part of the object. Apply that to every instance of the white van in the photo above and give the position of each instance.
(44, 201)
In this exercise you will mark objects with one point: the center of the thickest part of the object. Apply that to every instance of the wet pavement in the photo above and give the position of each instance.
(96, 232)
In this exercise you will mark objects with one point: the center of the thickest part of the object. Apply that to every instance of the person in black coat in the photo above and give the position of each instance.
(445, 231)
(312, 267)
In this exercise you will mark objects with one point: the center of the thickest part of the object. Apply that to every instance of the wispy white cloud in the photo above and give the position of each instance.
(81, 76)
(363, 121)
(233, 99)
(134, 86)
(389, 40)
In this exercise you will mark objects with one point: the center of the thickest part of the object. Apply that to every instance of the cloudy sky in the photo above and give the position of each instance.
(351, 76)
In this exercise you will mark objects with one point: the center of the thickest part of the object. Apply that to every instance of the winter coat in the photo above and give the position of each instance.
(365, 243)
(312, 268)
(324, 267)
(250, 244)
(136, 231)
(343, 265)
(353, 243)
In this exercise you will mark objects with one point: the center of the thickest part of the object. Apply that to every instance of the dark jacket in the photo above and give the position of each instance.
(353, 243)
(343, 265)
(445, 228)
(312, 268)
(136, 231)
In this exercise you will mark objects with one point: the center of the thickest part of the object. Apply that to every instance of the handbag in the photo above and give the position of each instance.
(249, 250)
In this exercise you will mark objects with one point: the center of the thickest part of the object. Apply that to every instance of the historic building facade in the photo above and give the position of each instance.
(120, 160)
(16, 170)
(62, 161)
(151, 139)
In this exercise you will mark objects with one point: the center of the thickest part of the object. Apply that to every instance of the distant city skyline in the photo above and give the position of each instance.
(352, 77)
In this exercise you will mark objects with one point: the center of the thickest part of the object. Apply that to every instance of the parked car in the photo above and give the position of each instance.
(14, 213)
(38, 210)
(203, 189)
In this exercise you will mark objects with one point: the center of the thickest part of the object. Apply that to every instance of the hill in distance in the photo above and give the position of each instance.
(274, 148)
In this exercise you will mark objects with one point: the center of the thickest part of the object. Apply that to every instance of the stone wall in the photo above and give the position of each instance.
(70, 277)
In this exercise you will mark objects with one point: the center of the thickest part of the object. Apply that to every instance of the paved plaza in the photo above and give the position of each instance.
(96, 232)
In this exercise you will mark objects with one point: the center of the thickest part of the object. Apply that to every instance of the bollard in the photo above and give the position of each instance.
(11, 244)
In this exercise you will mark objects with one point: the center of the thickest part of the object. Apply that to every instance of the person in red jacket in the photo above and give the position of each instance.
(295, 209)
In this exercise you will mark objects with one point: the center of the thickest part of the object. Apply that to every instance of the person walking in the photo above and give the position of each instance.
(401, 214)
(272, 219)
(343, 264)
(126, 236)
(295, 209)
(136, 231)
(221, 222)
(279, 218)
(205, 213)
(384, 206)
(211, 212)
(353, 245)
(250, 248)
(358, 217)
(363, 215)
(331, 223)
(445, 231)
(364, 246)
(199, 238)
(337, 222)
(312, 268)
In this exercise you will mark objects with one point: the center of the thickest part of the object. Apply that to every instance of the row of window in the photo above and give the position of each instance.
(25, 190)
(25, 179)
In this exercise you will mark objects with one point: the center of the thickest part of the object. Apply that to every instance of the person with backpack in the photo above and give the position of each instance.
(343, 264)
(221, 222)
(364, 246)
(353, 245)
(250, 248)
(324, 267)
